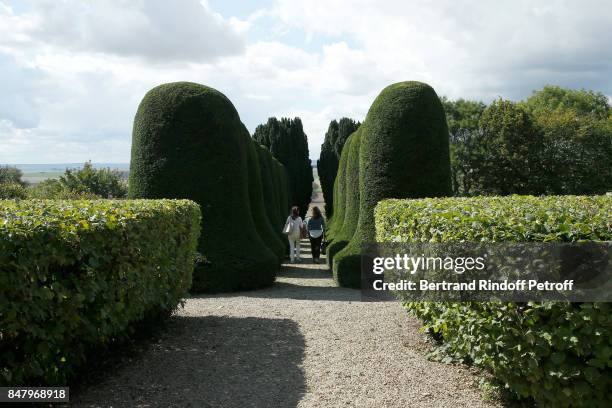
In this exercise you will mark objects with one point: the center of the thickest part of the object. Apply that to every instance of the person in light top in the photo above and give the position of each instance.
(293, 230)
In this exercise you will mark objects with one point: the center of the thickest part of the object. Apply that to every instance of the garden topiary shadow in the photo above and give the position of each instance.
(211, 361)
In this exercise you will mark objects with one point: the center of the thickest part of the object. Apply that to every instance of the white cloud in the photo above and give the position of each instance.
(156, 30)
(474, 48)
(73, 72)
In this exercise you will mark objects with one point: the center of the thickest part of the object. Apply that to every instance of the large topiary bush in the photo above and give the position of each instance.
(283, 182)
(340, 199)
(271, 190)
(557, 353)
(404, 153)
(188, 142)
(260, 217)
(350, 210)
(331, 150)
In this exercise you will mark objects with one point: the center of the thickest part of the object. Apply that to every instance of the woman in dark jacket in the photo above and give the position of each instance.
(315, 226)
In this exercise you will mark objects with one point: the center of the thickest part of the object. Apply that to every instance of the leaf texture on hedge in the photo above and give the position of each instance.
(188, 142)
(76, 274)
(559, 354)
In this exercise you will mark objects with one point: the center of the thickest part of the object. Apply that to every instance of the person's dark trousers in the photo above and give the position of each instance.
(315, 247)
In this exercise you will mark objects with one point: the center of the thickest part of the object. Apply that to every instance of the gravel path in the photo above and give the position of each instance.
(300, 343)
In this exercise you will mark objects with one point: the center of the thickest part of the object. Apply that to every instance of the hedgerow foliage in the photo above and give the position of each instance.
(403, 154)
(557, 141)
(76, 274)
(271, 190)
(337, 221)
(11, 175)
(266, 231)
(188, 142)
(284, 189)
(12, 190)
(559, 354)
(331, 150)
(287, 142)
(350, 196)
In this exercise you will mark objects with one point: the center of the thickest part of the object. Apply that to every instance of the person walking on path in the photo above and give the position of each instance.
(315, 226)
(293, 229)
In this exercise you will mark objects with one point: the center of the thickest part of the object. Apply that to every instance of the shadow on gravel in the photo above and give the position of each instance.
(283, 290)
(295, 271)
(211, 362)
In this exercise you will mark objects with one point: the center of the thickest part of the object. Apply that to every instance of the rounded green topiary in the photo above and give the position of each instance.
(260, 217)
(404, 153)
(188, 142)
(351, 198)
(288, 143)
(283, 182)
(327, 165)
(270, 188)
(340, 200)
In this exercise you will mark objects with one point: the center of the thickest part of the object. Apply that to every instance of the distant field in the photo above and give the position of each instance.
(37, 177)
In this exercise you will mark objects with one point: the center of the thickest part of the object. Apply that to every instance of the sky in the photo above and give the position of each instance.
(73, 72)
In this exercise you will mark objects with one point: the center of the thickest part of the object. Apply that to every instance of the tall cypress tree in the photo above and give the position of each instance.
(331, 150)
(286, 140)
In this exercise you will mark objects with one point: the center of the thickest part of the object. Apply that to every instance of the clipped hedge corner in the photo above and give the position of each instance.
(76, 274)
(559, 354)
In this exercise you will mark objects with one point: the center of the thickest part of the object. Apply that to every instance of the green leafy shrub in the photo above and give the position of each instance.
(105, 183)
(350, 196)
(54, 190)
(12, 190)
(11, 175)
(403, 153)
(76, 274)
(510, 157)
(188, 142)
(555, 142)
(559, 354)
(576, 129)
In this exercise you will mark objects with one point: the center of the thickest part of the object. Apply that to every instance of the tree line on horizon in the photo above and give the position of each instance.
(556, 141)
(286, 140)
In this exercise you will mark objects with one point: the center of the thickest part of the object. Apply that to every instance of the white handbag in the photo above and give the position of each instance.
(287, 227)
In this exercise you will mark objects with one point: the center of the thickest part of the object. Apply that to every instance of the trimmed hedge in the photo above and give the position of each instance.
(286, 140)
(331, 150)
(559, 354)
(351, 198)
(271, 190)
(188, 142)
(404, 153)
(283, 182)
(260, 217)
(74, 275)
(337, 219)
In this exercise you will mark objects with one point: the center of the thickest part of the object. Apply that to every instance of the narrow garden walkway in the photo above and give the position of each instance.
(300, 343)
